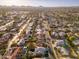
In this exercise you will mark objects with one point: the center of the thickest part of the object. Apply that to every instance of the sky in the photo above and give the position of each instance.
(46, 3)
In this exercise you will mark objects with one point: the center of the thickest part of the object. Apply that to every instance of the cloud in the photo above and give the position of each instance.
(40, 2)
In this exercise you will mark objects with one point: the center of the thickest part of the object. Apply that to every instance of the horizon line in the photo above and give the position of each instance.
(36, 6)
